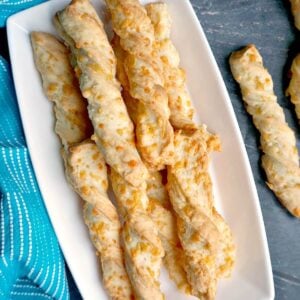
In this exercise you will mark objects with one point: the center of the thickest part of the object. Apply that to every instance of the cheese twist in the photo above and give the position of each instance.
(83, 32)
(85, 166)
(61, 87)
(162, 215)
(180, 104)
(280, 159)
(205, 237)
(145, 81)
(159, 206)
(295, 5)
(293, 89)
(87, 173)
(93, 57)
(143, 248)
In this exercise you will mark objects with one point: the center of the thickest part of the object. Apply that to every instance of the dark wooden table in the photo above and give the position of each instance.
(229, 25)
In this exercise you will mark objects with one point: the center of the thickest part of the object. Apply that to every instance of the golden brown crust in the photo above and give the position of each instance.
(60, 86)
(159, 206)
(280, 159)
(162, 215)
(95, 62)
(295, 6)
(204, 236)
(86, 172)
(294, 87)
(153, 129)
(83, 32)
(143, 249)
(85, 166)
(180, 104)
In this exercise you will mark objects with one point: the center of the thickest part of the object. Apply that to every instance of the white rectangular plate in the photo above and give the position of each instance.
(234, 187)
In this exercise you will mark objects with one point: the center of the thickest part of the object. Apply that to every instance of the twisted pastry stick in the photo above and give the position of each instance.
(280, 159)
(83, 32)
(85, 166)
(159, 206)
(61, 87)
(143, 249)
(86, 172)
(180, 103)
(294, 87)
(204, 236)
(144, 72)
(160, 212)
(296, 12)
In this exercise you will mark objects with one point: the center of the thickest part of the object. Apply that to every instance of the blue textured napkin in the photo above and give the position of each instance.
(10, 7)
(31, 263)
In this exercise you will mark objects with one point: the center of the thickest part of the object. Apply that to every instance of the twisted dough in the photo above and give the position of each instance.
(296, 12)
(60, 85)
(159, 206)
(83, 32)
(85, 166)
(162, 215)
(205, 237)
(174, 77)
(145, 81)
(86, 172)
(294, 87)
(280, 159)
(143, 249)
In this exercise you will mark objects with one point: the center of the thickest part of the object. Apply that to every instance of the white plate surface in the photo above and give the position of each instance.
(234, 187)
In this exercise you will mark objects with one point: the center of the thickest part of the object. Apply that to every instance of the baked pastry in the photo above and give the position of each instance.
(204, 235)
(162, 214)
(60, 85)
(159, 207)
(143, 249)
(180, 104)
(95, 62)
(85, 166)
(153, 130)
(87, 174)
(97, 65)
(293, 89)
(280, 159)
(295, 4)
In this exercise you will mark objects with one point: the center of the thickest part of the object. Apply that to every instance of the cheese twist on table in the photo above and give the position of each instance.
(280, 159)
(180, 104)
(205, 237)
(85, 166)
(295, 5)
(293, 89)
(144, 72)
(93, 57)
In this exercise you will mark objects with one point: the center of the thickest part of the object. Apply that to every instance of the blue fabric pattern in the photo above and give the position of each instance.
(10, 7)
(31, 263)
